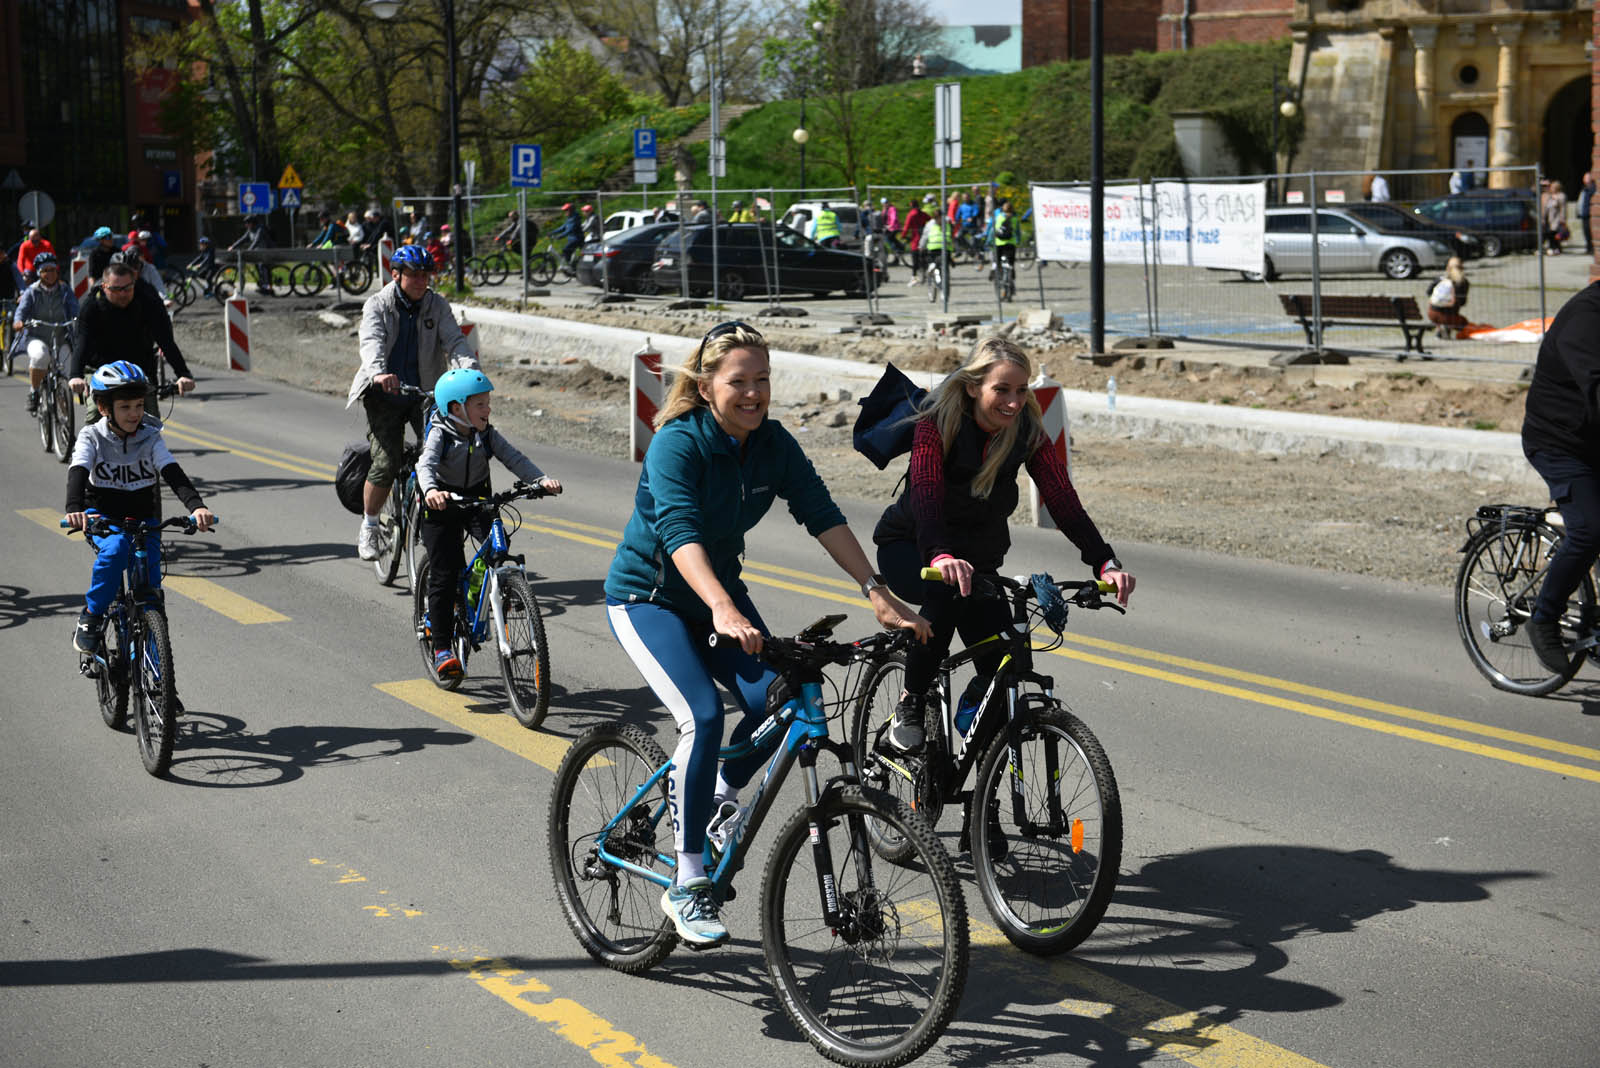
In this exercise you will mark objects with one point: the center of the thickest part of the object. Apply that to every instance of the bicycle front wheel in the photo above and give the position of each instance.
(497, 267)
(63, 418)
(903, 778)
(1046, 831)
(45, 415)
(615, 914)
(307, 279)
(526, 670)
(390, 549)
(542, 268)
(1501, 572)
(155, 695)
(355, 276)
(877, 984)
(111, 685)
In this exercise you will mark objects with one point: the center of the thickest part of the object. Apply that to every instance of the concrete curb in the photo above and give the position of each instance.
(1405, 446)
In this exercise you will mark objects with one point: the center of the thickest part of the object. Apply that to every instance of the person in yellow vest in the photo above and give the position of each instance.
(1002, 234)
(741, 214)
(935, 239)
(826, 232)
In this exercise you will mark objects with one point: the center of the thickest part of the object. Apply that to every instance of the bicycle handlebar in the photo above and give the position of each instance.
(521, 491)
(99, 526)
(1085, 594)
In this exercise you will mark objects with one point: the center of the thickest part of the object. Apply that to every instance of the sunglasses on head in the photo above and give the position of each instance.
(720, 330)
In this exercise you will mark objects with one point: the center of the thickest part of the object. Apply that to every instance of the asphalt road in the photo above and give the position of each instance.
(1342, 847)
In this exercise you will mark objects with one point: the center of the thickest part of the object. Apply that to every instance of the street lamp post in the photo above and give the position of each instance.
(388, 9)
(801, 136)
(1282, 104)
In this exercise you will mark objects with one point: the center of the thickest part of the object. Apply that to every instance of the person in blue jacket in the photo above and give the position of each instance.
(715, 467)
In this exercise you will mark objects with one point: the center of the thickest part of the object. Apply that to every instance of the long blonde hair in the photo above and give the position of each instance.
(949, 403)
(684, 394)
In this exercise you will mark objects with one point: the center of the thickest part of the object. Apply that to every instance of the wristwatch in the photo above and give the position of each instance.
(874, 582)
(1112, 564)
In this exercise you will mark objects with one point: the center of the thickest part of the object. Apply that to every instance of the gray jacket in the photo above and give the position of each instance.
(440, 344)
(455, 457)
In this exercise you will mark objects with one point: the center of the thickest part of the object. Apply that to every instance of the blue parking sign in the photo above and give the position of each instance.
(644, 143)
(171, 183)
(526, 167)
(255, 198)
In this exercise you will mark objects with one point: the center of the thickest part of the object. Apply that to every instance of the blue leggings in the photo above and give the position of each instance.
(672, 655)
(106, 579)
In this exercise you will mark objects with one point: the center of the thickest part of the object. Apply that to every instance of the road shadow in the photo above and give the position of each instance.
(193, 558)
(199, 965)
(211, 487)
(218, 751)
(18, 605)
(556, 598)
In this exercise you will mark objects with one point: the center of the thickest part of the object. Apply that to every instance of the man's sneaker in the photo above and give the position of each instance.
(905, 729)
(86, 636)
(724, 826)
(33, 402)
(694, 912)
(445, 664)
(367, 542)
(1545, 637)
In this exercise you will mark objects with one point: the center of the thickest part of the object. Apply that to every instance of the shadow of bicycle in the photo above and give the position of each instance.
(216, 750)
(18, 606)
(194, 558)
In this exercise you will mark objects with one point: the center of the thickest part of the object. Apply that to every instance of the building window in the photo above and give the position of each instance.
(1468, 74)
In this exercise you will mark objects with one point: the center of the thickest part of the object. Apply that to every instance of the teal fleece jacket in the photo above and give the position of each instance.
(697, 487)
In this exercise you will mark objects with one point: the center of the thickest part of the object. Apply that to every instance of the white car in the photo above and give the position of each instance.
(1345, 245)
(619, 221)
(800, 214)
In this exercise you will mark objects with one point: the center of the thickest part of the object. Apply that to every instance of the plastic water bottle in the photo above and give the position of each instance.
(1111, 393)
(475, 583)
(967, 707)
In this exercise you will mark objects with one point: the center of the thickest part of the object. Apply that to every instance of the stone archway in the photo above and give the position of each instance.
(1567, 143)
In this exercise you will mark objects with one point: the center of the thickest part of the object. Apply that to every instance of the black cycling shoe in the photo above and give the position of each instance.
(86, 635)
(905, 733)
(1545, 637)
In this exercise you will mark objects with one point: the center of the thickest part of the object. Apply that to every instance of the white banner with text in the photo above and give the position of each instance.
(1179, 224)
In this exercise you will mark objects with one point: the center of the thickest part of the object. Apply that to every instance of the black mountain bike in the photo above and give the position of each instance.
(398, 523)
(57, 419)
(134, 658)
(1043, 820)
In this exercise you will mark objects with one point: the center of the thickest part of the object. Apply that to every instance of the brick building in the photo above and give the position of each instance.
(1058, 30)
(1186, 24)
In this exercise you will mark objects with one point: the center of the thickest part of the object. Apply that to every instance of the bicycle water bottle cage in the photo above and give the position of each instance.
(1052, 606)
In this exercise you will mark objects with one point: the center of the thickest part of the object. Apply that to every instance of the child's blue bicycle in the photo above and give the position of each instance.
(868, 956)
(494, 592)
(134, 657)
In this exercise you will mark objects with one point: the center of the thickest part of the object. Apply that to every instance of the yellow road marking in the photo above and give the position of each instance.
(590, 1032)
(222, 600)
(1519, 737)
(569, 535)
(1430, 737)
(503, 730)
(1147, 1020)
(323, 474)
(253, 447)
(49, 518)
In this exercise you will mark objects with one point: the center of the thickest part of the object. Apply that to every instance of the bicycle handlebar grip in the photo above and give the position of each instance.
(1105, 587)
(933, 574)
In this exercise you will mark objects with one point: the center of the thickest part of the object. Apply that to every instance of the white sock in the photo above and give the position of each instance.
(724, 792)
(370, 520)
(691, 866)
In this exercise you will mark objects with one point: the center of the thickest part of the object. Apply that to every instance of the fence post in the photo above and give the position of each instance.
(645, 387)
(1058, 432)
(236, 320)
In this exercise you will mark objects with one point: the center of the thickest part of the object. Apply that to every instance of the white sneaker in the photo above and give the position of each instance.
(367, 542)
(724, 826)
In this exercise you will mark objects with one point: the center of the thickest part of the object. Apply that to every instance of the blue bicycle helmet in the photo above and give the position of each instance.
(103, 232)
(457, 385)
(409, 258)
(121, 379)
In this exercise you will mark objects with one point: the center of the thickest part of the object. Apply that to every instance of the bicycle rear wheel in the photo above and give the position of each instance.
(527, 670)
(308, 279)
(1501, 571)
(391, 549)
(878, 987)
(111, 685)
(903, 778)
(63, 418)
(355, 276)
(1047, 881)
(615, 914)
(45, 416)
(154, 694)
(422, 626)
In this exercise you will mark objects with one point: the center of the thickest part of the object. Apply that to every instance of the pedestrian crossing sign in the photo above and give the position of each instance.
(290, 179)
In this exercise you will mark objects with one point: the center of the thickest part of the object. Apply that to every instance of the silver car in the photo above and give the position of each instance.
(1345, 245)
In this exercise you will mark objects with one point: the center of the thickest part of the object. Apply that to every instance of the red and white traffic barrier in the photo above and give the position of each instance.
(80, 276)
(645, 385)
(237, 313)
(1053, 406)
(385, 254)
(469, 330)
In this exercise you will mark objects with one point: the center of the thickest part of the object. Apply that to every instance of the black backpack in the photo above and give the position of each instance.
(351, 475)
(888, 417)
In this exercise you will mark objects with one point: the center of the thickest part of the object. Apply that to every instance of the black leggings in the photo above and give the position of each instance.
(442, 534)
(943, 607)
(1575, 487)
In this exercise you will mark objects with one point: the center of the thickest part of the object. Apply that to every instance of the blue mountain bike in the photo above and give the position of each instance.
(134, 658)
(868, 956)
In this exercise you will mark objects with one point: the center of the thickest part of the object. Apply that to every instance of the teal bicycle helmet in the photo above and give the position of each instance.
(457, 384)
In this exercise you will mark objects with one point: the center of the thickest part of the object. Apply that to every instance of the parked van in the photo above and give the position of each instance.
(800, 214)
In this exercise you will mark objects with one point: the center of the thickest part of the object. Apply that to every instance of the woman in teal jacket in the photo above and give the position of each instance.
(714, 468)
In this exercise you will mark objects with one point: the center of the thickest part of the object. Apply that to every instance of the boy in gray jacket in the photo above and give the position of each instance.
(455, 459)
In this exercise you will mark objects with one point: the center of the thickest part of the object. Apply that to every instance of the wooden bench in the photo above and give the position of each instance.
(1360, 311)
